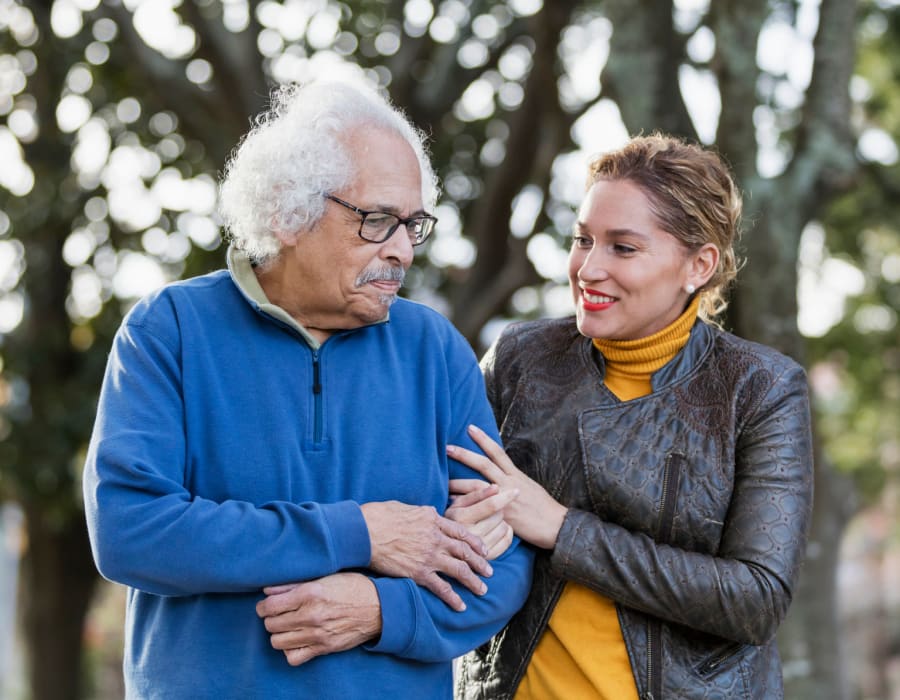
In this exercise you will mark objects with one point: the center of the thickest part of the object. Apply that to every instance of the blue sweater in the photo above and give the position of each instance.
(230, 453)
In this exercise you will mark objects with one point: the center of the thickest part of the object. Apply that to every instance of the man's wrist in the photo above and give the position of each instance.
(397, 613)
(373, 628)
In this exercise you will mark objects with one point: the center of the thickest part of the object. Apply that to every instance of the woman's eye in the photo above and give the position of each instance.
(623, 249)
(581, 242)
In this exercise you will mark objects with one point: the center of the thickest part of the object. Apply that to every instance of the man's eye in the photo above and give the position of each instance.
(380, 222)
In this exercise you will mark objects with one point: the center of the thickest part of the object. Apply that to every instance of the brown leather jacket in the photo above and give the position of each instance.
(689, 507)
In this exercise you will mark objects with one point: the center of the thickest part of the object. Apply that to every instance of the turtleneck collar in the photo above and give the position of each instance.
(631, 363)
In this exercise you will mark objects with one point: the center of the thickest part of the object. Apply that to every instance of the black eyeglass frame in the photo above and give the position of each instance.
(420, 220)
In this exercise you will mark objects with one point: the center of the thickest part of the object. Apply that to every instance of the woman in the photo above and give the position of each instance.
(666, 465)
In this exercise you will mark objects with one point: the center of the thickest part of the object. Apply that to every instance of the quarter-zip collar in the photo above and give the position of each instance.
(245, 278)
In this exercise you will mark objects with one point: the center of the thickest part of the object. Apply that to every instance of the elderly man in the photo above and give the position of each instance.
(270, 440)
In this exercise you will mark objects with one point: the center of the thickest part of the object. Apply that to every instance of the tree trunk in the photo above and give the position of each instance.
(58, 581)
(809, 639)
(764, 309)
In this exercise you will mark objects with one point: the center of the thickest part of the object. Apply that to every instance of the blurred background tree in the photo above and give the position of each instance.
(117, 115)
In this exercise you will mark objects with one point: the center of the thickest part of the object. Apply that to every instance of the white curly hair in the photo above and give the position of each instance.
(275, 178)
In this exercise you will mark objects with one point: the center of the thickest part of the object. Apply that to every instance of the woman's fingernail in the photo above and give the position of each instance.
(451, 450)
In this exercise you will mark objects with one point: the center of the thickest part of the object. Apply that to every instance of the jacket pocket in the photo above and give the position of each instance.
(667, 508)
(722, 658)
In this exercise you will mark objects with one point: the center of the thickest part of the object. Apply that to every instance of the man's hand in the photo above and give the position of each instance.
(415, 542)
(330, 614)
(479, 506)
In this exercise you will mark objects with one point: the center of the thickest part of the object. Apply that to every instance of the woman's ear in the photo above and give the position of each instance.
(703, 265)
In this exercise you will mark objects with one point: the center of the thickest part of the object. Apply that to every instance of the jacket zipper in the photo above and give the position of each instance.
(716, 661)
(317, 398)
(671, 474)
(652, 665)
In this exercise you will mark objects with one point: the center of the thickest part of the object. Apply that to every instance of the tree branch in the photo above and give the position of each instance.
(825, 163)
(641, 74)
(737, 24)
(234, 57)
(535, 132)
(205, 117)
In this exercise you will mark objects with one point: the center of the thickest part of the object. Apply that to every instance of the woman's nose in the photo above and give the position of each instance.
(595, 266)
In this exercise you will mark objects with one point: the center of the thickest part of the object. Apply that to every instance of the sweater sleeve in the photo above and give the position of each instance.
(150, 532)
(418, 625)
(746, 586)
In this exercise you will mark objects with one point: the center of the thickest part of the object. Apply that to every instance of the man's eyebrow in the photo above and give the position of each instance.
(391, 209)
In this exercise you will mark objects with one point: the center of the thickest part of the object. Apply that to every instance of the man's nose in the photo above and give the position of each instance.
(398, 247)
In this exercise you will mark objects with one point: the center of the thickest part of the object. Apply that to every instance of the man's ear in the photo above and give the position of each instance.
(703, 264)
(285, 238)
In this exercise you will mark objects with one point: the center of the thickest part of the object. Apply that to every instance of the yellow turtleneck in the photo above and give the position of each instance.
(582, 653)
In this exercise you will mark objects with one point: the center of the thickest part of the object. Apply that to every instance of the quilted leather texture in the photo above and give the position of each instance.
(689, 507)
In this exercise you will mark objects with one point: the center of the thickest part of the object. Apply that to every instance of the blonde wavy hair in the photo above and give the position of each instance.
(692, 196)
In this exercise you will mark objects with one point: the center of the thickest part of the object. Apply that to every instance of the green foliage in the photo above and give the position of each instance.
(856, 365)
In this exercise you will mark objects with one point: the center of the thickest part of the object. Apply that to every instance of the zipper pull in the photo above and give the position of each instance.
(317, 385)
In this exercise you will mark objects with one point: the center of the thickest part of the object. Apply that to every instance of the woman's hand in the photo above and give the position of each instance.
(479, 506)
(534, 515)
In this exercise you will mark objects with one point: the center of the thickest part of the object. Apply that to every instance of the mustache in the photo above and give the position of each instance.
(390, 274)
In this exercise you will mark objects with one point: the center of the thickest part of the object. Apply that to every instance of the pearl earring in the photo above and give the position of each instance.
(690, 289)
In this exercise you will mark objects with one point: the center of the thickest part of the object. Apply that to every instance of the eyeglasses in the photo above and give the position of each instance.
(378, 226)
